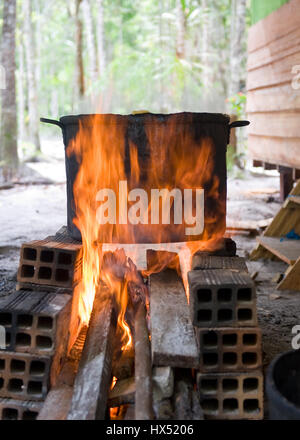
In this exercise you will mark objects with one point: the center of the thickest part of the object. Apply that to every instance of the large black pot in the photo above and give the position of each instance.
(283, 386)
(198, 125)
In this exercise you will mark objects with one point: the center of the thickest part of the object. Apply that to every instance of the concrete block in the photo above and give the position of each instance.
(11, 409)
(24, 376)
(205, 262)
(50, 262)
(231, 396)
(37, 323)
(222, 298)
(229, 349)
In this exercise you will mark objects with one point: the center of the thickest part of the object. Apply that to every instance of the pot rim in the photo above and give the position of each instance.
(148, 118)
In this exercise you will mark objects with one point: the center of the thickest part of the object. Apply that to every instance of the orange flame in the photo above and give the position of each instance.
(172, 159)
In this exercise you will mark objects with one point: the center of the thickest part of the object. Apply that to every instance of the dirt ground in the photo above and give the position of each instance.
(34, 211)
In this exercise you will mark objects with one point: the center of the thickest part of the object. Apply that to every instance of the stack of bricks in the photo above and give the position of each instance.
(223, 312)
(37, 319)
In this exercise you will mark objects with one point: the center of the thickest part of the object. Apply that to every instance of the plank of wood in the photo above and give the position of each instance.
(277, 150)
(277, 24)
(280, 124)
(279, 72)
(286, 250)
(292, 202)
(173, 339)
(291, 280)
(273, 99)
(278, 49)
(246, 225)
(286, 219)
(92, 382)
(259, 252)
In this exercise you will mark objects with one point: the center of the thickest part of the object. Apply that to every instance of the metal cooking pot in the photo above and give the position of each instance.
(197, 126)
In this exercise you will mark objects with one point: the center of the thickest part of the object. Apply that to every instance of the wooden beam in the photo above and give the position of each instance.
(93, 379)
(275, 50)
(291, 280)
(173, 341)
(273, 99)
(286, 250)
(286, 182)
(143, 368)
(275, 124)
(277, 150)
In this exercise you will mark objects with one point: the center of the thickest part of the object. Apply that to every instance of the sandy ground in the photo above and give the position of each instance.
(30, 212)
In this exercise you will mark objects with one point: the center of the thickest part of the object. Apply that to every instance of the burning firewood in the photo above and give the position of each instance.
(143, 368)
(94, 373)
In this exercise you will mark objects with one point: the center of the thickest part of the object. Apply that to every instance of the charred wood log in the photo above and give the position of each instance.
(93, 379)
(58, 400)
(122, 393)
(143, 368)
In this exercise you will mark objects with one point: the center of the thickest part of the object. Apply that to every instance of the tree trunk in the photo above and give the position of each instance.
(91, 45)
(100, 37)
(33, 112)
(79, 73)
(205, 55)
(38, 40)
(238, 13)
(181, 28)
(21, 94)
(8, 146)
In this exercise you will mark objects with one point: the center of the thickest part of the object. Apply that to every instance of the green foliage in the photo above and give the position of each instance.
(261, 8)
(237, 104)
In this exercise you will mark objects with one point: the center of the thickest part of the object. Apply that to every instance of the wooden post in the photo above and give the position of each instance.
(143, 368)
(286, 182)
(93, 379)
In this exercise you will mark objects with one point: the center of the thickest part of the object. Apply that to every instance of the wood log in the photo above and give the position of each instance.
(58, 400)
(123, 363)
(93, 379)
(173, 340)
(122, 393)
(143, 368)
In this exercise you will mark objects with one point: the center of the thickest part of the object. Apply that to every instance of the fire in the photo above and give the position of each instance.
(170, 159)
(113, 382)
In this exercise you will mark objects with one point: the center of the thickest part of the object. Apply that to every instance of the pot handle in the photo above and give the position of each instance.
(238, 124)
(52, 121)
